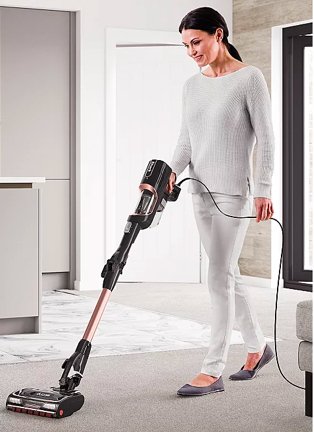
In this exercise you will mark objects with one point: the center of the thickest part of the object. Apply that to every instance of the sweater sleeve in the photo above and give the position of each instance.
(182, 153)
(259, 107)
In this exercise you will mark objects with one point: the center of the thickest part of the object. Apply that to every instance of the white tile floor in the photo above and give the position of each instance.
(123, 330)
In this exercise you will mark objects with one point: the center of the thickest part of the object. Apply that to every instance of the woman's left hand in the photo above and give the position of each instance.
(264, 209)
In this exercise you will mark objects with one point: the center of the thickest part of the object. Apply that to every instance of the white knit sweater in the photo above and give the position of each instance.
(222, 119)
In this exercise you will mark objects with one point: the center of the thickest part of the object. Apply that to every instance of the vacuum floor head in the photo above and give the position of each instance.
(45, 403)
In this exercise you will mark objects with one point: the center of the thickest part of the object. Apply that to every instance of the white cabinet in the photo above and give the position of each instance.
(20, 256)
(36, 69)
(35, 74)
(56, 237)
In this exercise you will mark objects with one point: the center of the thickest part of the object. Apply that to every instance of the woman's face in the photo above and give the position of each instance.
(201, 46)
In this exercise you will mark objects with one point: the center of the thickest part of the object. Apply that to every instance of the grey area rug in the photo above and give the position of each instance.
(137, 393)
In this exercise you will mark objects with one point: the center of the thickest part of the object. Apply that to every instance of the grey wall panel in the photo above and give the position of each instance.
(18, 253)
(56, 233)
(35, 49)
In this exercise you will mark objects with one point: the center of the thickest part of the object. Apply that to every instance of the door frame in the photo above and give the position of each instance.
(277, 117)
(295, 39)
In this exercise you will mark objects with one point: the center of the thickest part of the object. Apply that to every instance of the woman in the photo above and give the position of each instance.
(225, 108)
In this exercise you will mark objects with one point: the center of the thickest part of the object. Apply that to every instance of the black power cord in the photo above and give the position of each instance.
(277, 290)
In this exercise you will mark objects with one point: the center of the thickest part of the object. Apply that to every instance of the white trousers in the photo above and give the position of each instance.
(222, 238)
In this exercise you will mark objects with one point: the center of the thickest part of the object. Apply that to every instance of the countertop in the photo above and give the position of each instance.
(22, 179)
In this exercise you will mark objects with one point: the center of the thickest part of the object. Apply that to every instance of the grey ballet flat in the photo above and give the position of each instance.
(189, 390)
(243, 375)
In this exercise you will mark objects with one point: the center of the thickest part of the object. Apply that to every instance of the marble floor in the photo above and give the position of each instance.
(122, 330)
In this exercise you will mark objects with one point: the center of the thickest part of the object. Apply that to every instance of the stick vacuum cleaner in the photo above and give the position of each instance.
(62, 401)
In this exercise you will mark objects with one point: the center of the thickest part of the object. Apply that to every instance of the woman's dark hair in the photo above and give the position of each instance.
(208, 20)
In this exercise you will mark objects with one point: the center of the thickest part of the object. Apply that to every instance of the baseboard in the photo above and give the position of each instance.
(248, 281)
(259, 282)
(55, 281)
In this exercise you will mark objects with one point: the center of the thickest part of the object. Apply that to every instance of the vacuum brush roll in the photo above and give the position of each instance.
(45, 403)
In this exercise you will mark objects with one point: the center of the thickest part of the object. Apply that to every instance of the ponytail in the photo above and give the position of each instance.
(233, 51)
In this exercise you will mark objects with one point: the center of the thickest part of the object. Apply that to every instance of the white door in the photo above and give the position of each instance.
(149, 85)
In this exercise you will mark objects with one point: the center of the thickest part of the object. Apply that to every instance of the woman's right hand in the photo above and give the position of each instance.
(171, 182)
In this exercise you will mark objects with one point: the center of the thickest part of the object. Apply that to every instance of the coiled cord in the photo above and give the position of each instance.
(278, 279)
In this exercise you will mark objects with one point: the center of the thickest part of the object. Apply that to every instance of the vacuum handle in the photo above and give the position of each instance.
(114, 266)
(175, 193)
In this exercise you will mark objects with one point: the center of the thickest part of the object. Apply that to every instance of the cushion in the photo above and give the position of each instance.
(305, 356)
(304, 320)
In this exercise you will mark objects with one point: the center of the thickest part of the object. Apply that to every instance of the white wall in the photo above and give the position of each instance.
(94, 17)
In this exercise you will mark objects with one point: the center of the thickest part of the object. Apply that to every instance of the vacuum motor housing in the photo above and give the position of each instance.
(153, 197)
(45, 403)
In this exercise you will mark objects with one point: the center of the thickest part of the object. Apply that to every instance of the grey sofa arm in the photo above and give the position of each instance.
(304, 333)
